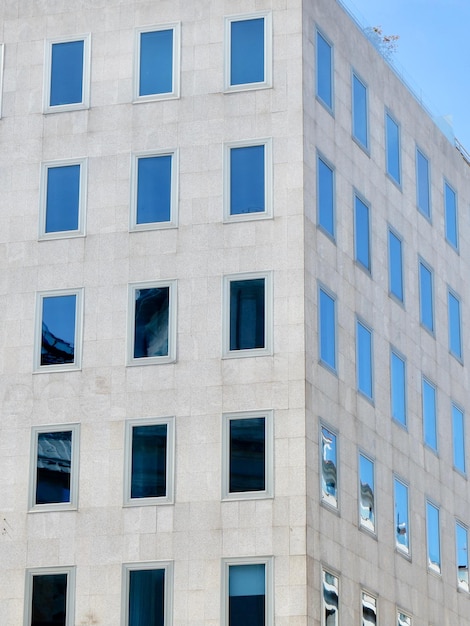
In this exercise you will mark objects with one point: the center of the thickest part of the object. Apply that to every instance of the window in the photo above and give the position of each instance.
(152, 323)
(366, 493)
(54, 467)
(63, 197)
(248, 51)
(450, 210)
(50, 596)
(461, 540)
(157, 63)
(248, 593)
(247, 455)
(402, 523)
(67, 74)
(360, 112)
(398, 387)
(248, 180)
(325, 197)
(433, 537)
(149, 461)
(58, 330)
(455, 337)
(324, 69)
(392, 143)
(423, 191)
(327, 328)
(426, 296)
(364, 359)
(369, 609)
(395, 266)
(329, 467)
(361, 233)
(248, 314)
(154, 202)
(403, 620)
(330, 599)
(458, 438)
(2, 56)
(147, 588)
(429, 415)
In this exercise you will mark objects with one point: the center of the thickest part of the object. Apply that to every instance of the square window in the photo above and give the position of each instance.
(423, 190)
(360, 121)
(67, 74)
(248, 51)
(58, 330)
(147, 593)
(364, 371)
(395, 265)
(362, 233)
(450, 210)
(325, 197)
(330, 599)
(366, 493)
(49, 596)
(157, 63)
(392, 146)
(329, 467)
(402, 522)
(433, 537)
(327, 328)
(248, 314)
(154, 202)
(62, 199)
(248, 594)
(461, 540)
(324, 68)
(369, 609)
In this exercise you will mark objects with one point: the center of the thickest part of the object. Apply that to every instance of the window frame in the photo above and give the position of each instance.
(461, 586)
(459, 409)
(392, 118)
(365, 594)
(334, 574)
(431, 567)
(401, 614)
(404, 550)
(359, 245)
(31, 572)
(355, 76)
(323, 500)
(422, 264)
(168, 567)
(452, 244)
(427, 215)
(362, 524)
(329, 107)
(268, 180)
(329, 294)
(402, 358)
(361, 322)
(452, 294)
(320, 225)
(434, 424)
(86, 74)
(391, 232)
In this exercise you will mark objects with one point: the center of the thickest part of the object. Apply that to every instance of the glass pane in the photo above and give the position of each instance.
(327, 329)
(53, 467)
(156, 62)
(461, 537)
(395, 265)
(369, 610)
(247, 455)
(398, 388)
(247, 593)
(458, 434)
(422, 183)
(325, 197)
(67, 73)
(154, 189)
(434, 550)
(247, 314)
(429, 415)
(247, 51)
(63, 198)
(247, 185)
(361, 231)
(330, 599)
(366, 496)
(403, 620)
(455, 342)
(359, 111)
(426, 297)
(450, 200)
(364, 360)
(148, 471)
(402, 531)
(147, 597)
(324, 71)
(329, 473)
(49, 603)
(58, 329)
(152, 314)
(393, 148)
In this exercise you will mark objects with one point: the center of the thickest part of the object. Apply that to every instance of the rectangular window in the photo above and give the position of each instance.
(402, 523)
(324, 67)
(433, 537)
(58, 330)
(361, 233)
(429, 415)
(403, 620)
(50, 596)
(450, 210)
(67, 74)
(458, 438)
(455, 337)
(369, 609)
(395, 266)
(364, 359)
(157, 61)
(248, 455)
(147, 588)
(248, 180)
(461, 540)
(426, 300)
(327, 328)
(423, 190)
(62, 198)
(392, 143)
(398, 387)
(2, 67)
(366, 493)
(325, 197)
(360, 112)
(329, 467)
(330, 599)
(248, 595)
(248, 51)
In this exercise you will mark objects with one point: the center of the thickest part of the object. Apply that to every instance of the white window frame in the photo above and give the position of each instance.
(70, 594)
(407, 617)
(268, 315)
(268, 180)
(324, 501)
(168, 593)
(77, 364)
(364, 596)
(400, 548)
(268, 51)
(268, 492)
(2, 68)
(75, 106)
(170, 461)
(362, 524)
(268, 562)
(173, 221)
(172, 294)
(335, 574)
(63, 234)
(176, 61)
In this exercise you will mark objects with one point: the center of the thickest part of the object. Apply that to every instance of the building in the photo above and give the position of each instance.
(233, 359)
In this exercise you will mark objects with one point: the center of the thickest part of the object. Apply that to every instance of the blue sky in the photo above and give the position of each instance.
(432, 51)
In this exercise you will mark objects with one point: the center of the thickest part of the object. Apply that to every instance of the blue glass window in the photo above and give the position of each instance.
(398, 387)
(247, 314)
(325, 197)
(62, 198)
(247, 455)
(151, 322)
(327, 329)
(247, 51)
(329, 468)
(156, 63)
(247, 180)
(450, 208)
(458, 438)
(146, 597)
(429, 415)
(392, 142)
(395, 265)
(364, 359)
(422, 184)
(461, 541)
(402, 526)
(247, 594)
(154, 191)
(49, 600)
(433, 537)
(426, 297)
(362, 233)
(53, 467)
(58, 328)
(455, 339)
(324, 69)
(360, 115)
(67, 59)
(366, 493)
(149, 461)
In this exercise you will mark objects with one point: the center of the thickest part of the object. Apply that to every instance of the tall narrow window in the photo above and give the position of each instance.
(327, 328)
(330, 599)
(461, 540)
(369, 609)
(360, 112)
(148, 593)
(50, 596)
(429, 415)
(402, 524)
(455, 337)
(248, 597)
(67, 74)
(364, 359)
(450, 210)
(422, 184)
(324, 67)
(395, 265)
(325, 197)
(398, 387)
(156, 74)
(426, 303)
(392, 146)
(362, 233)
(433, 537)
(366, 493)
(329, 467)
(458, 438)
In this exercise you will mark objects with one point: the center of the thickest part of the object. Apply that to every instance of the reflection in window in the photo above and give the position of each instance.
(392, 141)
(324, 71)
(458, 438)
(329, 471)
(247, 314)
(58, 321)
(149, 461)
(461, 538)
(398, 387)
(247, 594)
(325, 197)
(450, 209)
(402, 529)
(403, 620)
(366, 493)
(247, 452)
(146, 597)
(362, 233)
(395, 265)
(364, 359)
(327, 329)
(152, 307)
(429, 415)
(49, 600)
(66, 73)
(247, 51)
(53, 467)
(426, 297)
(455, 338)
(156, 63)
(62, 198)
(247, 180)
(330, 600)
(369, 610)
(433, 539)
(422, 184)
(360, 125)
(154, 193)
